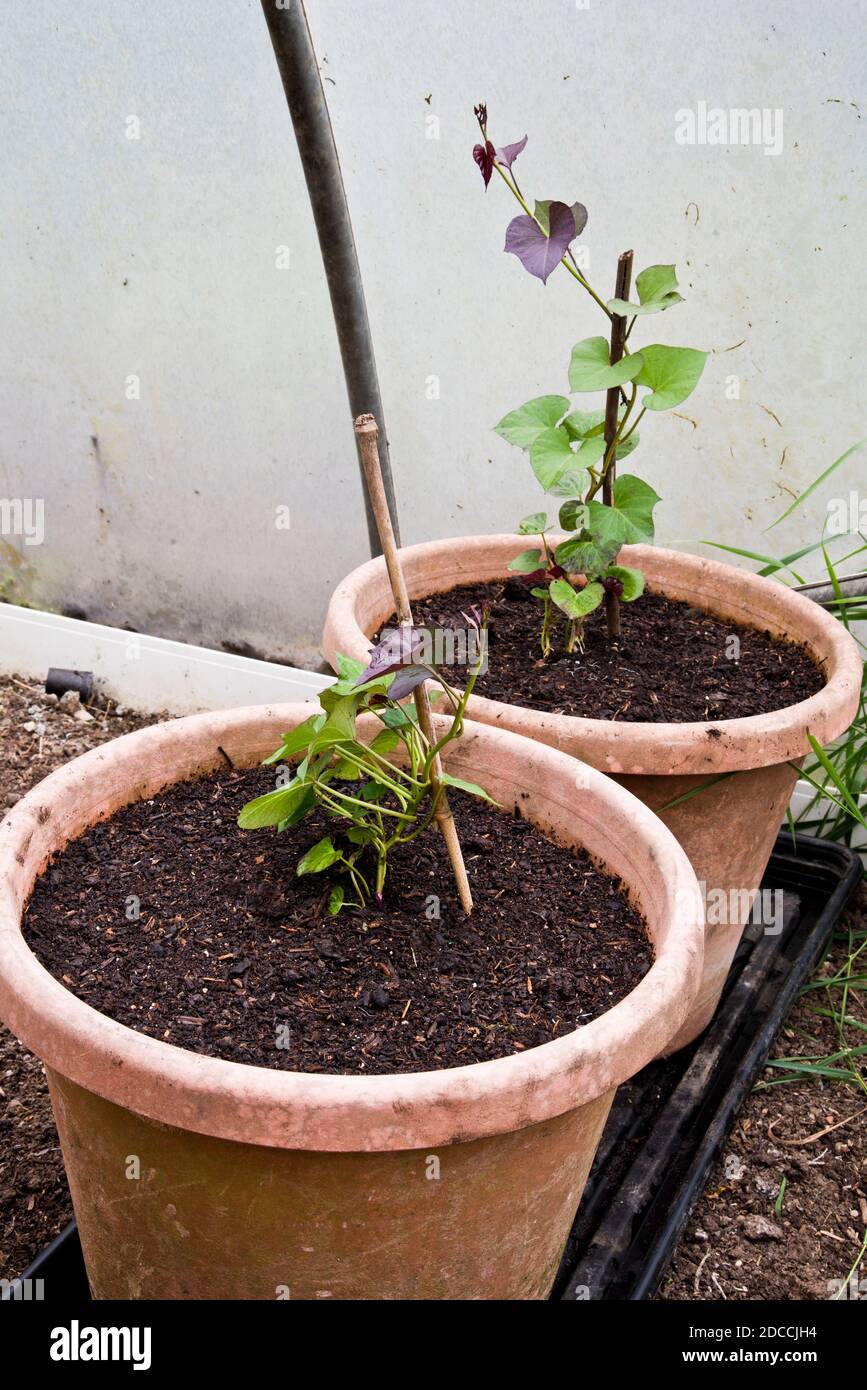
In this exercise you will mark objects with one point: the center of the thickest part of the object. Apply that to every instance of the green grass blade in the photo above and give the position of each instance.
(695, 791)
(817, 482)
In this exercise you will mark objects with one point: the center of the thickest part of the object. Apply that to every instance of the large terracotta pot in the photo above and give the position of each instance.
(258, 1184)
(729, 828)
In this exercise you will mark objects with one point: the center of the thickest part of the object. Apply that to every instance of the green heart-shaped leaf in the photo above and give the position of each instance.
(632, 581)
(573, 515)
(589, 425)
(550, 455)
(533, 525)
(576, 603)
(585, 555)
(298, 738)
(591, 450)
(521, 426)
(591, 370)
(572, 481)
(630, 519)
(320, 856)
(657, 290)
(274, 807)
(672, 374)
(580, 423)
(527, 562)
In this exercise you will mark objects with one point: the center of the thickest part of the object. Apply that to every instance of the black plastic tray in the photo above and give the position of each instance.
(667, 1124)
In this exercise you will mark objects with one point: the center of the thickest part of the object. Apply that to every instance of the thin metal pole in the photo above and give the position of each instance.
(851, 586)
(305, 97)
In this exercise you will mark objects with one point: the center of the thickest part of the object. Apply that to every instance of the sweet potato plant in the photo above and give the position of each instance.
(377, 802)
(574, 451)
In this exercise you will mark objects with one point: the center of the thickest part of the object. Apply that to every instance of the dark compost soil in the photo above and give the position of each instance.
(235, 957)
(37, 734)
(672, 663)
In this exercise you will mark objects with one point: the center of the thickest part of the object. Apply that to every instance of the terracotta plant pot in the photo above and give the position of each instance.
(728, 829)
(260, 1184)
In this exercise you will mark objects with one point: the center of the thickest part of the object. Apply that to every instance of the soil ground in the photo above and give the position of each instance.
(672, 662)
(235, 956)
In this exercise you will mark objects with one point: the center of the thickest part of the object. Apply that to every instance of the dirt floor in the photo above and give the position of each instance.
(747, 1239)
(744, 1240)
(36, 736)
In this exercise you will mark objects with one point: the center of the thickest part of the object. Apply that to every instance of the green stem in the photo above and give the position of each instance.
(398, 838)
(355, 874)
(614, 445)
(329, 796)
(458, 719)
(633, 427)
(546, 621)
(350, 756)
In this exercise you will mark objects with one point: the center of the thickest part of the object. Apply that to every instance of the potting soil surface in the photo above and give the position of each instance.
(235, 956)
(672, 663)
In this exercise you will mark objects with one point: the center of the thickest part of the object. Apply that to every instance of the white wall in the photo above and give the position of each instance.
(156, 258)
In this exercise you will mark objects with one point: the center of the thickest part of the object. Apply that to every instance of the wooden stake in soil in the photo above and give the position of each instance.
(367, 434)
(612, 404)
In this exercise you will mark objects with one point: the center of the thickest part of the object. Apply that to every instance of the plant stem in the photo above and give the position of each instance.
(458, 719)
(367, 434)
(632, 428)
(381, 776)
(333, 796)
(612, 406)
(546, 624)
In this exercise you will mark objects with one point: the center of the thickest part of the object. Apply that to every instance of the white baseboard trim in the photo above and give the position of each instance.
(146, 673)
(808, 815)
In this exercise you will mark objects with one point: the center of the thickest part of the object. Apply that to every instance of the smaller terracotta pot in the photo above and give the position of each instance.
(744, 770)
(257, 1184)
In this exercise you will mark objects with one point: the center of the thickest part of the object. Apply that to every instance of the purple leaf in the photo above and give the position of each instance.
(538, 253)
(509, 153)
(477, 616)
(395, 650)
(484, 155)
(406, 680)
(535, 577)
(579, 212)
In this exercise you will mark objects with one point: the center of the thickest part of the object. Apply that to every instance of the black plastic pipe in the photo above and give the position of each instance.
(305, 96)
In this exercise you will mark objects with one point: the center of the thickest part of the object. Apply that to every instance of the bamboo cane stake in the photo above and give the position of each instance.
(367, 435)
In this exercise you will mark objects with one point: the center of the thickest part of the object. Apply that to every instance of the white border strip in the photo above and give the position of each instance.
(802, 797)
(147, 673)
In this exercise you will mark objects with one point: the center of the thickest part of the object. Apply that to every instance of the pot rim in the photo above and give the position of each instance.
(300, 1110)
(639, 748)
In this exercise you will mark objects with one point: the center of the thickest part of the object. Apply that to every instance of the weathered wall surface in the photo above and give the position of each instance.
(169, 386)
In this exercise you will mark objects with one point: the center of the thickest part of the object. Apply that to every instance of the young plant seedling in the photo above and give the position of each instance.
(573, 452)
(377, 803)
